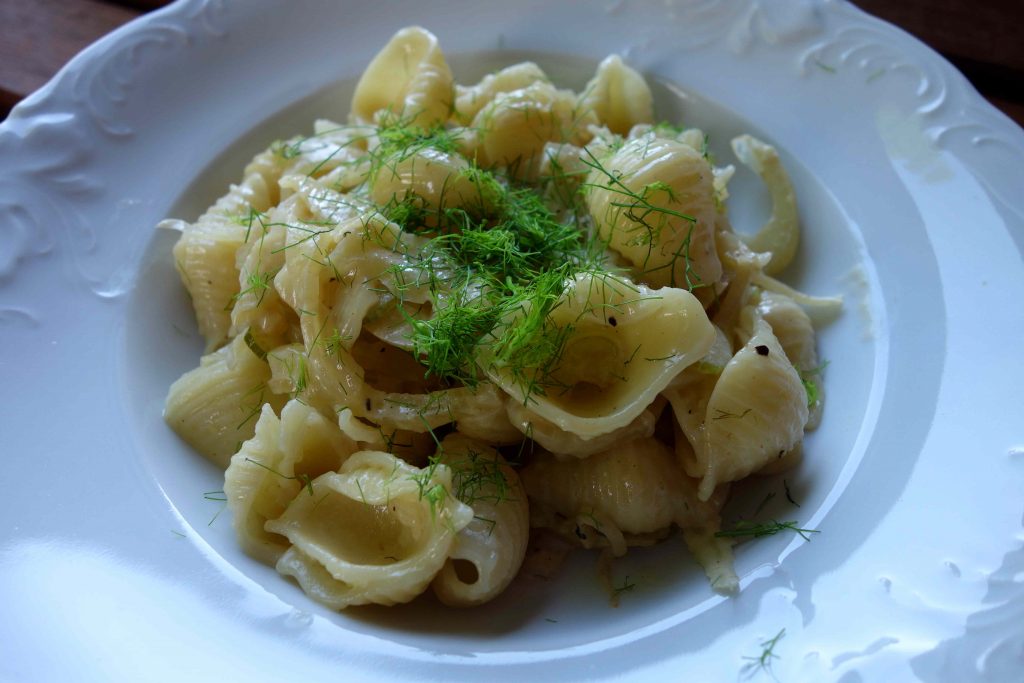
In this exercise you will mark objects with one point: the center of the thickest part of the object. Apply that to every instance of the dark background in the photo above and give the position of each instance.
(980, 37)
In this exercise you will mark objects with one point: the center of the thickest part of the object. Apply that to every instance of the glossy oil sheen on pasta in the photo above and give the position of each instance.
(474, 313)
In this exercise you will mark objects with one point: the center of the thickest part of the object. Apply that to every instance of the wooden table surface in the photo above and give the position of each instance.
(981, 37)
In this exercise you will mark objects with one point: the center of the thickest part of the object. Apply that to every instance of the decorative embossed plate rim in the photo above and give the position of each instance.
(919, 570)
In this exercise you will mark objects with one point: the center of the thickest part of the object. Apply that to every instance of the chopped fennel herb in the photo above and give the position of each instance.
(789, 496)
(763, 661)
(726, 415)
(434, 493)
(253, 409)
(477, 477)
(301, 478)
(745, 528)
(625, 587)
(811, 388)
(218, 497)
(764, 501)
(823, 66)
(254, 345)
(810, 385)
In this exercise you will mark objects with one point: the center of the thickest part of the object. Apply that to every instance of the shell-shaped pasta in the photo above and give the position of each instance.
(333, 153)
(257, 490)
(636, 485)
(471, 99)
(436, 179)
(561, 442)
(633, 486)
(258, 307)
(409, 78)
(310, 443)
(792, 327)
(624, 496)
(511, 131)
(314, 579)
(756, 412)
(564, 166)
(380, 529)
(258, 190)
(562, 169)
(654, 202)
(271, 468)
(489, 551)
(292, 374)
(623, 343)
(214, 407)
(780, 234)
(205, 258)
(326, 276)
(326, 206)
(206, 253)
(619, 96)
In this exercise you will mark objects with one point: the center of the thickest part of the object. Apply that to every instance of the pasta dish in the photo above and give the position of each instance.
(474, 315)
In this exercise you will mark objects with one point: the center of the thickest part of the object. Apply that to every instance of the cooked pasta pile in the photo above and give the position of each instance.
(473, 313)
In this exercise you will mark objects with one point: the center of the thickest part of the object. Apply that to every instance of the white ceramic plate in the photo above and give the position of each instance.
(112, 564)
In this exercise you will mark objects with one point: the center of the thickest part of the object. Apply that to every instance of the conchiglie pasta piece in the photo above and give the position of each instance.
(434, 179)
(620, 496)
(214, 407)
(333, 152)
(635, 485)
(489, 551)
(205, 255)
(325, 276)
(792, 327)
(257, 490)
(310, 443)
(780, 234)
(276, 465)
(205, 258)
(471, 99)
(257, 191)
(605, 350)
(512, 130)
(379, 528)
(619, 96)
(409, 78)
(654, 202)
(756, 412)
(258, 308)
(314, 579)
